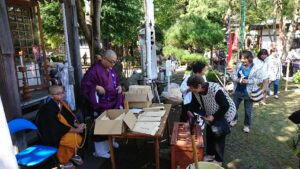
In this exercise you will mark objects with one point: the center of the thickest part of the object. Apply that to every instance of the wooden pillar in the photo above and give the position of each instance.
(8, 83)
(72, 30)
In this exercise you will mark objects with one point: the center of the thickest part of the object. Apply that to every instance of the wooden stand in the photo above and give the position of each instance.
(181, 145)
(25, 89)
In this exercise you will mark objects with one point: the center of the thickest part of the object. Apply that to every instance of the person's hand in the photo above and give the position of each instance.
(119, 89)
(190, 114)
(81, 127)
(244, 81)
(100, 90)
(208, 119)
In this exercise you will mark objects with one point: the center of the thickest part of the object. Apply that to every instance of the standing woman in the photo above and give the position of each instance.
(246, 77)
(214, 105)
(275, 72)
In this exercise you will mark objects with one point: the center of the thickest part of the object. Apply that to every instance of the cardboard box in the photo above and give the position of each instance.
(114, 126)
(139, 96)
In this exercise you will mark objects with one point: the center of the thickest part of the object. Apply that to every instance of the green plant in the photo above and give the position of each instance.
(296, 77)
(211, 75)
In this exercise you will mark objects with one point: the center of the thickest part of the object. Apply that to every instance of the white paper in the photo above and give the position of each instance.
(149, 118)
(159, 113)
(146, 127)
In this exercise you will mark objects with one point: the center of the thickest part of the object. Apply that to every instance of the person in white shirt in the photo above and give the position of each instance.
(262, 62)
(275, 72)
(198, 68)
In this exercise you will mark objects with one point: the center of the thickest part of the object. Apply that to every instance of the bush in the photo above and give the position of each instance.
(184, 55)
(211, 75)
(296, 77)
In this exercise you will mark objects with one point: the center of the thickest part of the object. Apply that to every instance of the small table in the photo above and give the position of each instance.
(159, 134)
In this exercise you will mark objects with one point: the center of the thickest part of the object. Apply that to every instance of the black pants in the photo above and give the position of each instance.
(215, 145)
(183, 116)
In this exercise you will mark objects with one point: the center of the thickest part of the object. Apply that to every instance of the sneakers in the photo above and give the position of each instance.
(106, 155)
(218, 163)
(246, 129)
(267, 96)
(77, 159)
(115, 144)
(233, 123)
(208, 158)
(276, 96)
(68, 165)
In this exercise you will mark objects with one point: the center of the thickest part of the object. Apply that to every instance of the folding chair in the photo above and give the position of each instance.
(35, 154)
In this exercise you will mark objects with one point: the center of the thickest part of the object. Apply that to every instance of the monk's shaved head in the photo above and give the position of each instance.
(110, 54)
(54, 89)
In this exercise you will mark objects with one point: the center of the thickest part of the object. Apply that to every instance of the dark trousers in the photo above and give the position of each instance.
(183, 116)
(215, 145)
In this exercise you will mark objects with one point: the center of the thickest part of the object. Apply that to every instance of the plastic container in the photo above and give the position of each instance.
(204, 165)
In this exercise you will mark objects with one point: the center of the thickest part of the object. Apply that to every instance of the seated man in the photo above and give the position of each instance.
(60, 128)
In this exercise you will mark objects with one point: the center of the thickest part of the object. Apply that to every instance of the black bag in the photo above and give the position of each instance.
(220, 127)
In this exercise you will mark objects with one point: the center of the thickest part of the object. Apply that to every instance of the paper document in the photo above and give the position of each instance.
(149, 118)
(146, 127)
(159, 113)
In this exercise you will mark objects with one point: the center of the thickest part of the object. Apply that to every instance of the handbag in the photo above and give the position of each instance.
(256, 95)
(220, 127)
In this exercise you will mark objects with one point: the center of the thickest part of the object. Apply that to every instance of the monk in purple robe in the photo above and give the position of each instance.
(101, 87)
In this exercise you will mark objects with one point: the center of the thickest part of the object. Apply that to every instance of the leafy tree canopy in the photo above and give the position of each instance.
(194, 32)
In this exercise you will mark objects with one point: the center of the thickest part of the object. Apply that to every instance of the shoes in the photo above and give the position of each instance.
(106, 155)
(267, 96)
(246, 129)
(276, 96)
(218, 163)
(208, 158)
(115, 144)
(77, 159)
(68, 165)
(263, 102)
(233, 123)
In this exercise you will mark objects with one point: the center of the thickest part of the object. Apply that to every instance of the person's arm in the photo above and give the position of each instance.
(223, 105)
(234, 75)
(193, 106)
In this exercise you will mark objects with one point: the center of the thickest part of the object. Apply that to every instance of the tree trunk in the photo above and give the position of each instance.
(96, 26)
(292, 28)
(90, 25)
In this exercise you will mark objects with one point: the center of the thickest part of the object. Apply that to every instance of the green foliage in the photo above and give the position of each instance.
(183, 55)
(194, 32)
(211, 75)
(296, 77)
(120, 21)
(58, 58)
(52, 23)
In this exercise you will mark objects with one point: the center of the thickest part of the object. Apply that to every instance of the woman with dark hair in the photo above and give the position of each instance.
(262, 61)
(198, 69)
(213, 104)
(246, 77)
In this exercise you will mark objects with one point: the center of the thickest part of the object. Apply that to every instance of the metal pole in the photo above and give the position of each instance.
(227, 46)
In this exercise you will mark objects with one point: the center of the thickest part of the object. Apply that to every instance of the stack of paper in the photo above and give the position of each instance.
(146, 127)
(142, 117)
(159, 113)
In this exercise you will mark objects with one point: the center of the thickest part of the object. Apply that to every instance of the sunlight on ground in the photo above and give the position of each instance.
(282, 138)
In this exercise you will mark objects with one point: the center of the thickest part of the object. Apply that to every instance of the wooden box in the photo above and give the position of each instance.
(181, 145)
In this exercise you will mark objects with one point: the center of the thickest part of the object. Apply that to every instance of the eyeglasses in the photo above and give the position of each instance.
(112, 62)
(59, 93)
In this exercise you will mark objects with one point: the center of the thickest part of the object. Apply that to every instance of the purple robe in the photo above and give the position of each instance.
(98, 75)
